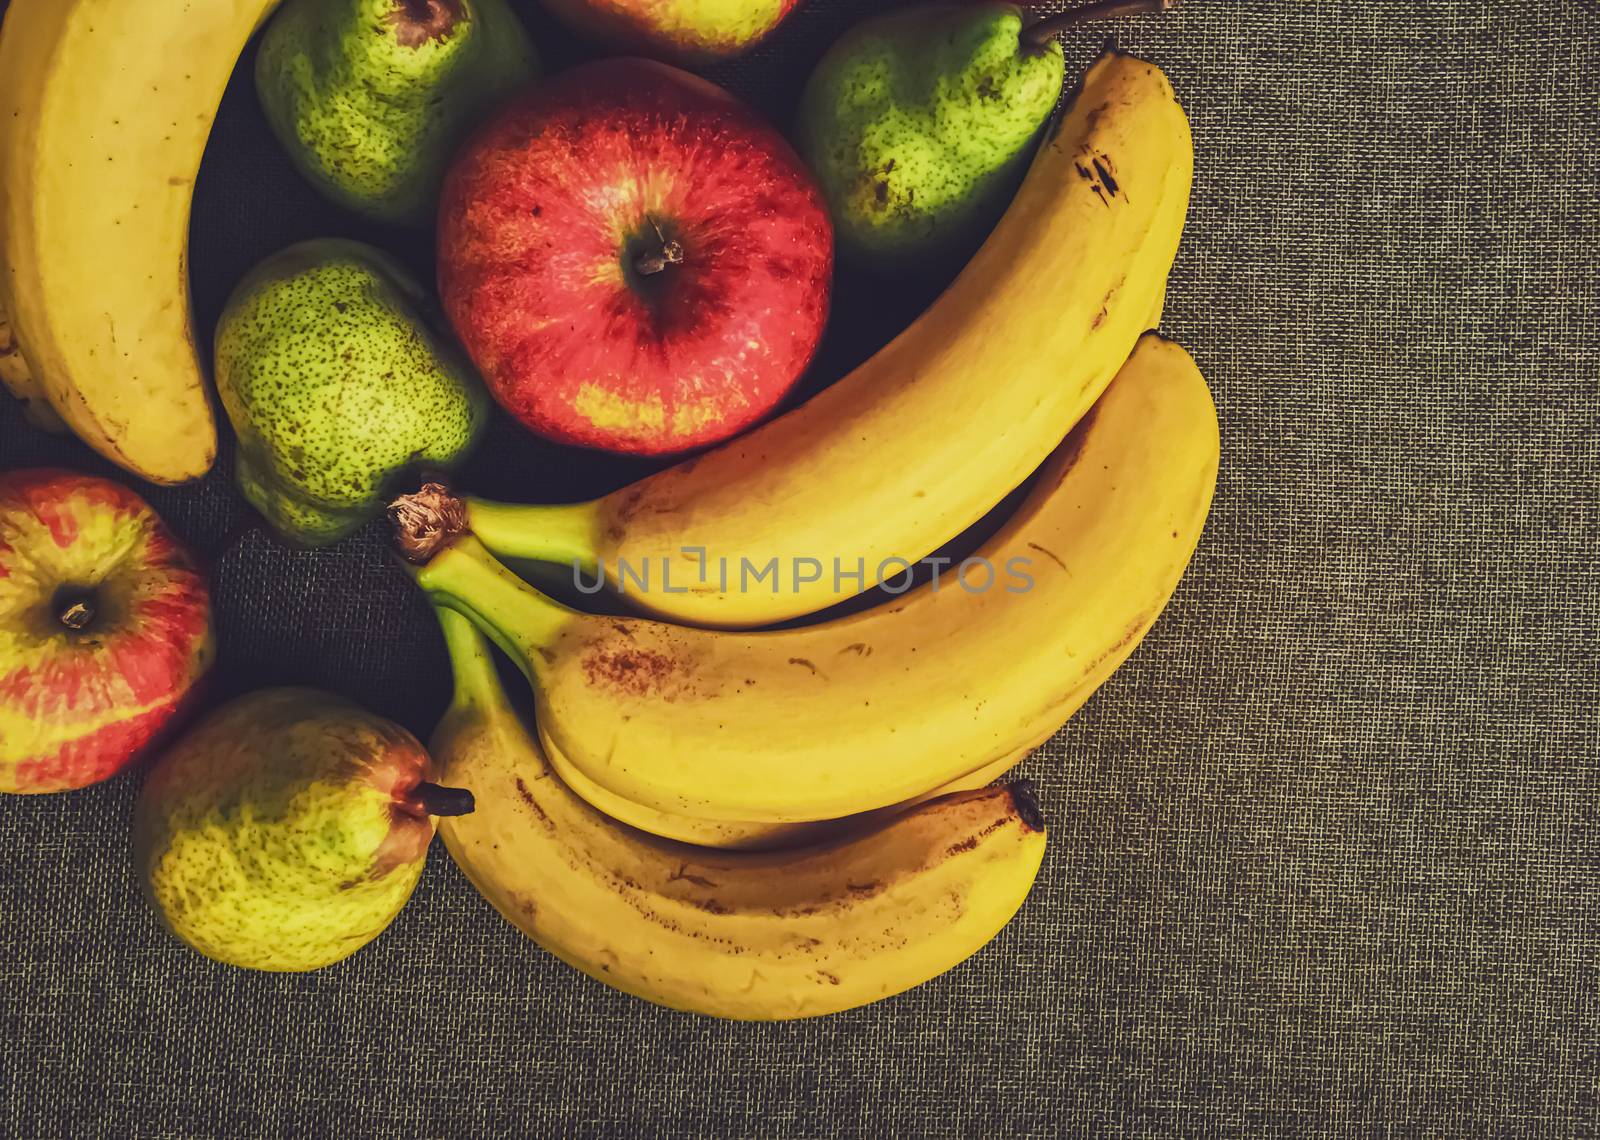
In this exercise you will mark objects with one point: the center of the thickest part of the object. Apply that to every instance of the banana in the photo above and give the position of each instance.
(731, 835)
(748, 936)
(105, 108)
(841, 717)
(17, 379)
(920, 442)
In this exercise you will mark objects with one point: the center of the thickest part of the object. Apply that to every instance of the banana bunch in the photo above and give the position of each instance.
(101, 135)
(766, 823)
(1121, 504)
(750, 936)
(863, 712)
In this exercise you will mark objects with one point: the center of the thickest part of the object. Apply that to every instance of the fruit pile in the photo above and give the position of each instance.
(737, 793)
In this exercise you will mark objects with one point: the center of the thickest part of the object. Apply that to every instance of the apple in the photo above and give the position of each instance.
(634, 259)
(683, 31)
(105, 628)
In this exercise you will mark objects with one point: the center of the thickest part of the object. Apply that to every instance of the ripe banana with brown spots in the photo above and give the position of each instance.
(738, 935)
(736, 835)
(105, 109)
(870, 710)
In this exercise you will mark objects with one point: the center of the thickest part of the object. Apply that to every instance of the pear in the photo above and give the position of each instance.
(371, 97)
(287, 830)
(919, 125)
(335, 370)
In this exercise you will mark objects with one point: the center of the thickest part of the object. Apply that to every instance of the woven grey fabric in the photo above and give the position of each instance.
(1324, 858)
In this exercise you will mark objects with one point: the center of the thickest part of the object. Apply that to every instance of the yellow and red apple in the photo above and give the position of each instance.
(105, 628)
(635, 260)
(683, 31)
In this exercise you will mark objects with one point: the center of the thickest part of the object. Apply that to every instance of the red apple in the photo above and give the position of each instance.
(634, 260)
(105, 627)
(685, 31)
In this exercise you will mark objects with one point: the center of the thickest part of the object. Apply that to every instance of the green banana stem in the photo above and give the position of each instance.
(545, 534)
(515, 616)
(476, 684)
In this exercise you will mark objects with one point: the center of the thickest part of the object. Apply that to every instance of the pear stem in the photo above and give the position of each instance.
(442, 801)
(1045, 30)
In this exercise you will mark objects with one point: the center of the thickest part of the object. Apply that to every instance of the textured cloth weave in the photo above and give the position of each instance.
(1324, 858)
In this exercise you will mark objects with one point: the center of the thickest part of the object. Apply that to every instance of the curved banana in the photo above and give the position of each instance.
(18, 380)
(755, 937)
(732, 835)
(828, 720)
(104, 113)
(920, 442)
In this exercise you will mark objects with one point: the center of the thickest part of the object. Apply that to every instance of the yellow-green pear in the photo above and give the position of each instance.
(287, 831)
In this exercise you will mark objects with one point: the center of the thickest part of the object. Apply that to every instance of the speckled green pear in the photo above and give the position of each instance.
(919, 125)
(371, 97)
(287, 830)
(337, 374)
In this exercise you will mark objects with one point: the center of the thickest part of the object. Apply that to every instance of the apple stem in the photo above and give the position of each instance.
(655, 261)
(426, 522)
(1046, 29)
(442, 801)
(78, 615)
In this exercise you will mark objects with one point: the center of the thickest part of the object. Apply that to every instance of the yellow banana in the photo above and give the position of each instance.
(17, 379)
(731, 835)
(737, 935)
(828, 720)
(920, 442)
(105, 108)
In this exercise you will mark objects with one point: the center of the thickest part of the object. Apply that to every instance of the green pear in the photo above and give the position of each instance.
(919, 125)
(336, 373)
(287, 830)
(371, 97)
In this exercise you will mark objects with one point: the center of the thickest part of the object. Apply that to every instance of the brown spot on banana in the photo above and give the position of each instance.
(682, 875)
(1101, 167)
(634, 671)
(528, 798)
(710, 906)
(1049, 555)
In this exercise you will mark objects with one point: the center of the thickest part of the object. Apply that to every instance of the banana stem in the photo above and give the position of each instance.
(1025, 798)
(476, 683)
(520, 619)
(427, 522)
(1045, 30)
(562, 534)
